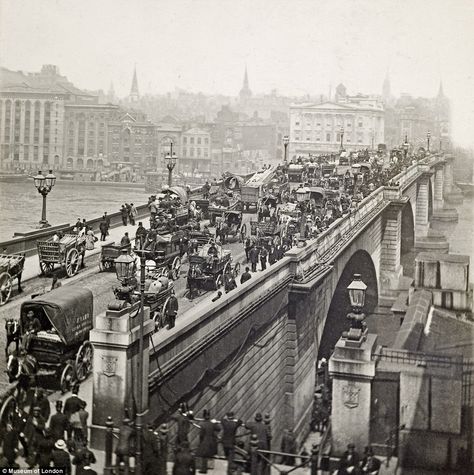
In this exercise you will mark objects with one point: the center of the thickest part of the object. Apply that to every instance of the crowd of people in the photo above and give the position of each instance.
(44, 440)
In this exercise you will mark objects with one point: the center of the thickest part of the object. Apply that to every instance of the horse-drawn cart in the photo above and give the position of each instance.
(266, 230)
(54, 330)
(108, 254)
(66, 252)
(11, 267)
(208, 268)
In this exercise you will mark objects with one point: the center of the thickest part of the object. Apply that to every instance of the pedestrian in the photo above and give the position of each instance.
(245, 276)
(207, 447)
(33, 433)
(60, 457)
(183, 422)
(72, 406)
(248, 246)
(288, 446)
(229, 426)
(229, 282)
(140, 235)
(10, 445)
(258, 428)
(42, 402)
(59, 422)
(151, 455)
(153, 207)
(45, 449)
(104, 228)
(253, 256)
(83, 457)
(184, 463)
(124, 214)
(125, 241)
(78, 225)
(83, 417)
(125, 444)
(132, 214)
(350, 456)
(263, 257)
(90, 240)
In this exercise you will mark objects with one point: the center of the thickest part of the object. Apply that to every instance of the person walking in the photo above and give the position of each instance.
(124, 214)
(248, 246)
(184, 463)
(253, 256)
(151, 455)
(90, 240)
(104, 228)
(83, 418)
(183, 421)
(207, 447)
(60, 457)
(245, 276)
(125, 241)
(162, 436)
(288, 446)
(58, 423)
(10, 445)
(45, 449)
(83, 457)
(263, 257)
(72, 406)
(140, 235)
(132, 214)
(229, 426)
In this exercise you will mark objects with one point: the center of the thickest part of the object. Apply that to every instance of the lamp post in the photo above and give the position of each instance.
(357, 290)
(125, 270)
(342, 138)
(170, 158)
(44, 184)
(428, 137)
(406, 145)
(286, 141)
(302, 196)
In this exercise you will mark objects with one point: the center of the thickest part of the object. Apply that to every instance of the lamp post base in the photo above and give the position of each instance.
(43, 224)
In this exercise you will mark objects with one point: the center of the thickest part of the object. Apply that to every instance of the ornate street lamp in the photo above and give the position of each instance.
(342, 138)
(428, 137)
(44, 184)
(358, 330)
(171, 159)
(286, 141)
(302, 197)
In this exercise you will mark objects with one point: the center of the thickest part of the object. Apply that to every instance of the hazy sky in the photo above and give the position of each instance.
(296, 47)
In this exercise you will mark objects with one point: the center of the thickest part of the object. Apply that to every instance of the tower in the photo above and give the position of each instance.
(134, 96)
(111, 93)
(245, 92)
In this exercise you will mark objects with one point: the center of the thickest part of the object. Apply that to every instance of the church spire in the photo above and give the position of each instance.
(134, 96)
(245, 92)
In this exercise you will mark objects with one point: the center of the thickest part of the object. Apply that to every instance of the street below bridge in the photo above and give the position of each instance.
(101, 285)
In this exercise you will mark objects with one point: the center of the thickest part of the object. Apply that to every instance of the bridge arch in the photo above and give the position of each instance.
(336, 322)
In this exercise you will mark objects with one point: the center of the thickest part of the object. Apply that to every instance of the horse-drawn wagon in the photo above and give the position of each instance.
(230, 225)
(11, 267)
(108, 254)
(267, 231)
(208, 268)
(66, 251)
(54, 331)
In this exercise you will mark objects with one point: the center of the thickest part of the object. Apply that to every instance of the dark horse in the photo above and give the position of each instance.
(24, 370)
(12, 329)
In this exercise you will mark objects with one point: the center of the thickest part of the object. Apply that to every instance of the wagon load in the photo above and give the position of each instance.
(11, 267)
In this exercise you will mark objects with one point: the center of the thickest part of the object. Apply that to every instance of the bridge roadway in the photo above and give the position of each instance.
(101, 284)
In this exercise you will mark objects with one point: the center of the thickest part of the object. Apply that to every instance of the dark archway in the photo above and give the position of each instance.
(336, 321)
(407, 251)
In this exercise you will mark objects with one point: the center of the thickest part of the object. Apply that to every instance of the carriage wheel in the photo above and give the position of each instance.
(5, 287)
(163, 272)
(276, 241)
(7, 411)
(175, 268)
(243, 232)
(219, 281)
(236, 270)
(67, 378)
(46, 268)
(163, 314)
(83, 364)
(72, 262)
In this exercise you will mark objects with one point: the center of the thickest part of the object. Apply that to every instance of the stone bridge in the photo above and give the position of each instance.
(256, 348)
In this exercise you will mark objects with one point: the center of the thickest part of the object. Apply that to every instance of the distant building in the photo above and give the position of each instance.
(317, 128)
(134, 95)
(195, 152)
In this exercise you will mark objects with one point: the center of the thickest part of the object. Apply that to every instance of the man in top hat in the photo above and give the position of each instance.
(229, 426)
(351, 456)
(259, 429)
(60, 457)
(72, 406)
(59, 422)
(207, 447)
(184, 424)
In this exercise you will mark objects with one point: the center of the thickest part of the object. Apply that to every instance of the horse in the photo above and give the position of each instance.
(12, 329)
(24, 370)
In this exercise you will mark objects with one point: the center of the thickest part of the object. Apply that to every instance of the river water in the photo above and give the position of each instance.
(20, 204)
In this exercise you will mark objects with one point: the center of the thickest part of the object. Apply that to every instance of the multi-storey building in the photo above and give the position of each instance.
(195, 152)
(318, 128)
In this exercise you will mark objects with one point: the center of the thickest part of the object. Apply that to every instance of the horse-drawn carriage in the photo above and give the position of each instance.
(108, 254)
(11, 267)
(66, 251)
(266, 231)
(54, 330)
(230, 225)
(209, 267)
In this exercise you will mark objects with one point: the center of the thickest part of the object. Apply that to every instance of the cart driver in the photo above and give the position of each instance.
(32, 326)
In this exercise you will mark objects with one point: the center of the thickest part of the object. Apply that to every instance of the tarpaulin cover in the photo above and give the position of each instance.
(69, 309)
(180, 192)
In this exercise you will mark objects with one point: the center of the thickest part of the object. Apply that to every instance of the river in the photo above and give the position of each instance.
(20, 204)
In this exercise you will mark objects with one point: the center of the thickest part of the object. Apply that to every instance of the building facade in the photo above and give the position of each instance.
(195, 152)
(318, 128)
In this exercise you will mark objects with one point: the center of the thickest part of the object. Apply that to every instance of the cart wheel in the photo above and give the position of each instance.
(276, 241)
(163, 315)
(175, 268)
(72, 262)
(163, 272)
(46, 268)
(236, 270)
(101, 266)
(5, 287)
(7, 411)
(219, 281)
(67, 378)
(83, 364)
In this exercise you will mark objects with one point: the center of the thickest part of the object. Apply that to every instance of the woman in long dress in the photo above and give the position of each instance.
(90, 240)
